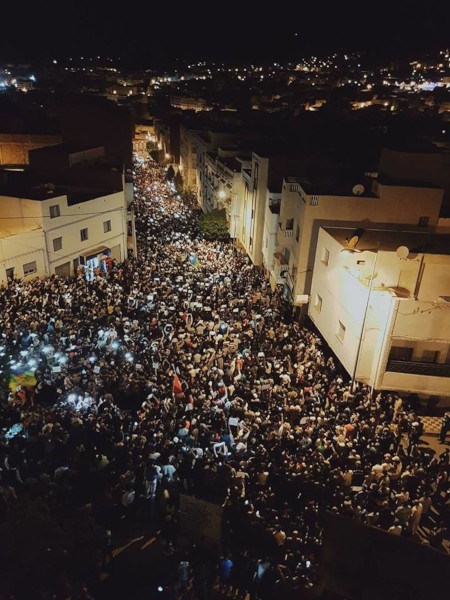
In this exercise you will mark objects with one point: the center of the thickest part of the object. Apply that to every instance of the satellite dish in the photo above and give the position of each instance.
(402, 252)
(358, 189)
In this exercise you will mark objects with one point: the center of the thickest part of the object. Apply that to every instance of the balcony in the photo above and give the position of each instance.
(418, 368)
(280, 258)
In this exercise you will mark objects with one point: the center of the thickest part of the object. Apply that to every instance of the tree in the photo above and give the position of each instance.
(213, 225)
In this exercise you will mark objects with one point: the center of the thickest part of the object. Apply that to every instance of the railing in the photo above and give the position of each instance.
(418, 368)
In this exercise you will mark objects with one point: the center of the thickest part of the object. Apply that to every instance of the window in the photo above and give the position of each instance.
(341, 331)
(84, 235)
(423, 221)
(289, 224)
(430, 356)
(297, 233)
(325, 256)
(54, 211)
(29, 268)
(318, 303)
(255, 175)
(57, 244)
(314, 200)
(401, 353)
(106, 226)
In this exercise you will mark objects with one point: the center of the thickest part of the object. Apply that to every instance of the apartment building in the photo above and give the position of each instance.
(51, 230)
(307, 204)
(79, 218)
(381, 300)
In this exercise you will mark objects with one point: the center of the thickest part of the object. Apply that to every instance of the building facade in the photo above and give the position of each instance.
(383, 306)
(60, 234)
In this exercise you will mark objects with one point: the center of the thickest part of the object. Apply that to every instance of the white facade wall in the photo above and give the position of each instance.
(96, 216)
(18, 253)
(362, 320)
(395, 205)
(270, 238)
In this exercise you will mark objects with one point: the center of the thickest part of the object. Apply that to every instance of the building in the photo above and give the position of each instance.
(381, 300)
(325, 199)
(79, 218)
(55, 230)
(419, 163)
(14, 147)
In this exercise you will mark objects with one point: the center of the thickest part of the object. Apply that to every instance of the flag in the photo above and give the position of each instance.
(176, 385)
(194, 260)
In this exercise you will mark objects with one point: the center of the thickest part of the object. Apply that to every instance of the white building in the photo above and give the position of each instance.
(51, 230)
(308, 205)
(383, 306)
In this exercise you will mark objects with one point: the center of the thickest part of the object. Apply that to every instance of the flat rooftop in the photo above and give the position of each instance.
(416, 241)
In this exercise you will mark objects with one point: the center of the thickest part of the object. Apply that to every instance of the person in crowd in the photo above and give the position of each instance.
(179, 370)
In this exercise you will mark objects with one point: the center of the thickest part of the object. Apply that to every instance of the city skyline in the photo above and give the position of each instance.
(237, 33)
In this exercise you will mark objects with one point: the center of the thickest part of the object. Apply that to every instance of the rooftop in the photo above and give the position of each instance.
(427, 242)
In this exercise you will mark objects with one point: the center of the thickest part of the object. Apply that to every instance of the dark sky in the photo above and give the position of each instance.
(234, 31)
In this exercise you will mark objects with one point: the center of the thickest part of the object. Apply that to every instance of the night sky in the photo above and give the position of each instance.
(230, 31)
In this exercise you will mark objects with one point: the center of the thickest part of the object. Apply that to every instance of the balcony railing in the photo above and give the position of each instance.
(418, 368)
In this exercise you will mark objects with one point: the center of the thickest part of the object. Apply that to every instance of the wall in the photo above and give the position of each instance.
(14, 148)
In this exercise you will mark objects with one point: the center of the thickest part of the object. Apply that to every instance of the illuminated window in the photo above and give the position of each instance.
(318, 303)
(55, 211)
(341, 331)
(325, 256)
(106, 226)
(84, 234)
(57, 244)
(29, 268)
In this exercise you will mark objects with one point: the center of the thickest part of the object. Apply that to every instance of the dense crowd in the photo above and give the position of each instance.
(181, 371)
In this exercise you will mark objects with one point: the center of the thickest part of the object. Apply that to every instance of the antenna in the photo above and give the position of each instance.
(358, 189)
(402, 252)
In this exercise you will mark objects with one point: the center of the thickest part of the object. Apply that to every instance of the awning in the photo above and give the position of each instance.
(88, 254)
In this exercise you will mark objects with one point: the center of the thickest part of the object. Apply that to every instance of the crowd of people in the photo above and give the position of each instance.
(181, 371)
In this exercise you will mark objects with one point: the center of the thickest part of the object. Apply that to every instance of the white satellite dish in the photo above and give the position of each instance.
(402, 252)
(358, 189)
